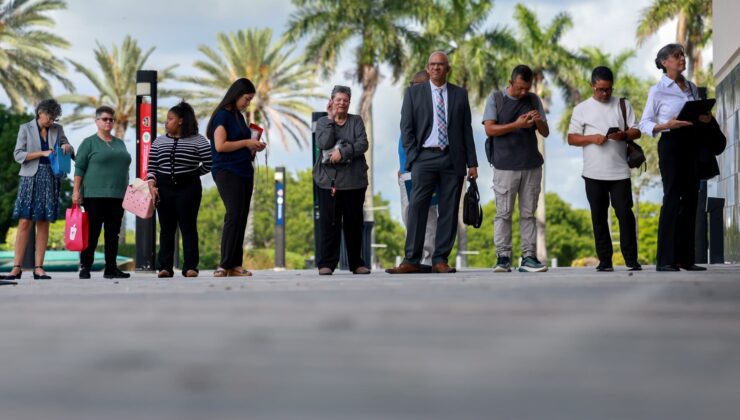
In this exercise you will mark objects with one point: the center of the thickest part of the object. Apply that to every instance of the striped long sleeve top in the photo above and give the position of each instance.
(172, 156)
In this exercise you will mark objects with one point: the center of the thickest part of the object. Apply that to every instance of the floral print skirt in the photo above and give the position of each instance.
(38, 196)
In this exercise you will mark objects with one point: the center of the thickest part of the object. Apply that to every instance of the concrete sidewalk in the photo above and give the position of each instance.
(567, 344)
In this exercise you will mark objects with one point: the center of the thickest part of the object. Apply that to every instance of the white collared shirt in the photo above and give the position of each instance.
(433, 139)
(664, 102)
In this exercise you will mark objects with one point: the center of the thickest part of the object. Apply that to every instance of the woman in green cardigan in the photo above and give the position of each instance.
(101, 178)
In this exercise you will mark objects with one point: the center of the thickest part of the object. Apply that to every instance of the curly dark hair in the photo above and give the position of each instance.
(49, 107)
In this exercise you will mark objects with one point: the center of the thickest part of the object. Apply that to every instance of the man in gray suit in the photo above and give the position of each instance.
(438, 139)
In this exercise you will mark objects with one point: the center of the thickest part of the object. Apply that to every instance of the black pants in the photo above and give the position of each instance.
(343, 212)
(102, 212)
(179, 202)
(677, 153)
(433, 171)
(236, 193)
(599, 193)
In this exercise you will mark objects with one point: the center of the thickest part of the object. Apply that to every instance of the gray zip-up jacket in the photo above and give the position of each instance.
(353, 144)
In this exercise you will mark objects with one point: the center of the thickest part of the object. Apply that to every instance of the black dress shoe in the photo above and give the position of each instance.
(604, 267)
(634, 266)
(115, 274)
(667, 268)
(43, 276)
(84, 273)
(692, 267)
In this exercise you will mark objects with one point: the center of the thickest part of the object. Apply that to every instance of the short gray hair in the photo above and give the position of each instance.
(666, 52)
(447, 57)
(341, 89)
(49, 107)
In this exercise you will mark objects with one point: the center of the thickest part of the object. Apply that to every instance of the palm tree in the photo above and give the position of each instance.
(380, 29)
(477, 56)
(116, 85)
(283, 82)
(693, 29)
(540, 48)
(25, 59)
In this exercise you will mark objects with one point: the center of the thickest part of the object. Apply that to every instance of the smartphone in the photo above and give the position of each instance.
(612, 130)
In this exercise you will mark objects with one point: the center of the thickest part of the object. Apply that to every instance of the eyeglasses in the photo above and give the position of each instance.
(106, 120)
(678, 55)
(604, 90)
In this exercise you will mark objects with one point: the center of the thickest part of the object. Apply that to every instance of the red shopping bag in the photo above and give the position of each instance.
(75, 229)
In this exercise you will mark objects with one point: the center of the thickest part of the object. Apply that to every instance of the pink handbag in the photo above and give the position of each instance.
(138, 200)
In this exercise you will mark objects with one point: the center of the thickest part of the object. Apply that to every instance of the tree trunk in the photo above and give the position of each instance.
(370, 77)
(541, 214)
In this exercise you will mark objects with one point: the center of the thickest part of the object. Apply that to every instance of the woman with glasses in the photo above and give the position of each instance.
(233, 149)
(38, 191)
(341, 175)
(677, 151)
(101, 178)
(176, 162)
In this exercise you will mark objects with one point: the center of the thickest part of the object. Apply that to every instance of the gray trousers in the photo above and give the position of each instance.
(431, 230)
(432, 170)
(508, 185)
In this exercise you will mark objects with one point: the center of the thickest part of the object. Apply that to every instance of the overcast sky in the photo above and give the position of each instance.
(177, 29)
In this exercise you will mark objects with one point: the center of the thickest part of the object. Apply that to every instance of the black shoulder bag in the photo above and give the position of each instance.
(472, 211)
(635, 154)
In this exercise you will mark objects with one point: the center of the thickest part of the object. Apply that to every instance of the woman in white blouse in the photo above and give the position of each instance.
(677, 149)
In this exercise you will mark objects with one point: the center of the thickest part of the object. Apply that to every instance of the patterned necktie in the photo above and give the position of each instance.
(439, 110)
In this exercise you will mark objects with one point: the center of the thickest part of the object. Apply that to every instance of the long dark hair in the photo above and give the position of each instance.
(189, 125)
(236, 90)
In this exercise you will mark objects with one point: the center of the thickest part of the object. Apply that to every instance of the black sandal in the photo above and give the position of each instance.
(40, 276)
(12, 276)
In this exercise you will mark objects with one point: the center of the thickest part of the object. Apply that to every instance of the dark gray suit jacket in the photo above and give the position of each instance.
(417, 118)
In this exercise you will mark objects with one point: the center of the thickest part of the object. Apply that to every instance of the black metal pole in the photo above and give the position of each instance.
(146, 92)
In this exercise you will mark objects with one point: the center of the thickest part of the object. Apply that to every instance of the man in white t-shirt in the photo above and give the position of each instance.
(599, 126)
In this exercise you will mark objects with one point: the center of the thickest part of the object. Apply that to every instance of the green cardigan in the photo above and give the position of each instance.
(103, 167)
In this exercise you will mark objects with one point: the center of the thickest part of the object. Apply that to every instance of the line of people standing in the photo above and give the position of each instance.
(436, 151)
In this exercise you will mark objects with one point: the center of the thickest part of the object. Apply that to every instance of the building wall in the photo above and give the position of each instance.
(726, 50)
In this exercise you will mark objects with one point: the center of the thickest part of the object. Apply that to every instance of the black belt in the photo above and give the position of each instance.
(436, 149)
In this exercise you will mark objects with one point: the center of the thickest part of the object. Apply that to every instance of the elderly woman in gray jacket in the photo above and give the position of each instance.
(38, 190)
(341, 176)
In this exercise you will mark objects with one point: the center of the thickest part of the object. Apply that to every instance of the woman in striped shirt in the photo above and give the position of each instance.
(177, 160)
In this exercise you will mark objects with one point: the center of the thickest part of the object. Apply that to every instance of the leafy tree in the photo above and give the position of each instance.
(283, 82)
(116, 85)
(388, 232)
(693, 29)
(10, 122)
(381, 30)
(25, 59)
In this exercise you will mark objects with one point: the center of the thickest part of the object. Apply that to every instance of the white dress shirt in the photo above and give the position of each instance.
(664, 102)
(433, 139)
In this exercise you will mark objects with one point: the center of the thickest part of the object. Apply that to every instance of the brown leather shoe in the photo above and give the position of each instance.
(191, 273)
(442, 267)
(404, 268)
(361, 270)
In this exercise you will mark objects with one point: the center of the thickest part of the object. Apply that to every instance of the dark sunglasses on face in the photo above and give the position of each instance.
(107, 120)
(604, 90)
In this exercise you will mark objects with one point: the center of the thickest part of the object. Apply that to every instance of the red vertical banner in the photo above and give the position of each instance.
(145, 134)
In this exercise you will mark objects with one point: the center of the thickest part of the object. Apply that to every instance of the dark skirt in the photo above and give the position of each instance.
(38, 196)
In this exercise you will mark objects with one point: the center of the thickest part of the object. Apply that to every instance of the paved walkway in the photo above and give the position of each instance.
(567, 344)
